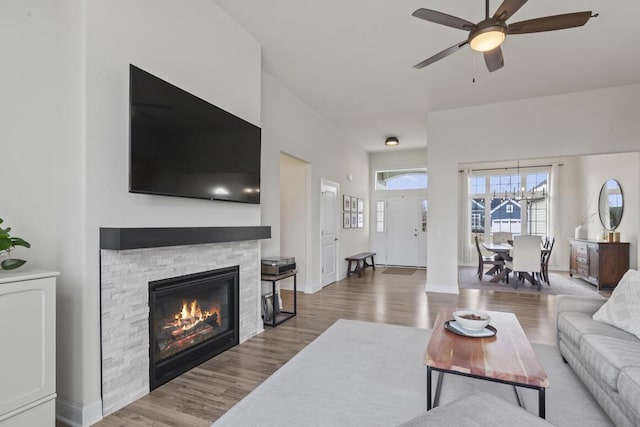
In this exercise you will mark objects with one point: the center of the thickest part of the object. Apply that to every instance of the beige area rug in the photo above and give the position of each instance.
(399, 271)
(561, 284)
(371, 374)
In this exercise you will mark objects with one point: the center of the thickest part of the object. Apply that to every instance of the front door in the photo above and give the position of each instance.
(329, 219)
(406, 240)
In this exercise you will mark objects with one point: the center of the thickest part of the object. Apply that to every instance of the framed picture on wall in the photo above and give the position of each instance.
(354, 220)
(346, 203)
(346, 219)
(360, 220)
(354, 204)
(360, 205)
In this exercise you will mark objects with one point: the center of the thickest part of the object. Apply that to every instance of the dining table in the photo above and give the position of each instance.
(503, 250)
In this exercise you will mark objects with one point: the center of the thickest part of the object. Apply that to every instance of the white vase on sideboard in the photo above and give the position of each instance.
(581, 232)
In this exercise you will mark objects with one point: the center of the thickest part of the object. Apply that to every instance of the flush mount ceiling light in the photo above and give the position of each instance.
(392, 141)
(487, 35)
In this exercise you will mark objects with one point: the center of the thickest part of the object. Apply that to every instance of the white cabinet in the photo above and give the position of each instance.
(27, 348)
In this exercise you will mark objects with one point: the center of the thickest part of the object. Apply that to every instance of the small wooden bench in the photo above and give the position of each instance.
(361, 262)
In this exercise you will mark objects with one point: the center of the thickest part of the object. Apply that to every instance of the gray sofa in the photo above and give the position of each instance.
(606, 359)
(477, 410)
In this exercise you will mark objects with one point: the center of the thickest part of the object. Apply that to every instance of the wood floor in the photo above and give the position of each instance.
(203, 394)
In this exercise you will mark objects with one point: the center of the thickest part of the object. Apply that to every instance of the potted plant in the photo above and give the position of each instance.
(7, 244)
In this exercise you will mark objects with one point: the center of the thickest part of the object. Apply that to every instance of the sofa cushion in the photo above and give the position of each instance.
(623, 308)
(576, 324)
(629, 389)
(607, 356)
(477, 410)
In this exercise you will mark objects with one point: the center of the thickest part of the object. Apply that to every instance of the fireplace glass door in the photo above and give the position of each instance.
(192, 318)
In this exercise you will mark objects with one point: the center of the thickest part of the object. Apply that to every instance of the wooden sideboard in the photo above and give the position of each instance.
(600, 263)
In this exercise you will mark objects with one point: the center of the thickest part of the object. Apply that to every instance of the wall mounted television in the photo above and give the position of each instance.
(181, 145)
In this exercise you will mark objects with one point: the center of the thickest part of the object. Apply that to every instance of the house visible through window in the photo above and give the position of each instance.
(401, 179)
(507, 201)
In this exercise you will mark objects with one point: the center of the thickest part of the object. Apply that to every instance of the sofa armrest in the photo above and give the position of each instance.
(578, 303)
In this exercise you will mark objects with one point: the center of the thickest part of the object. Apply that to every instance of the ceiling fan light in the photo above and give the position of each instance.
(392, 141)
(487, 38)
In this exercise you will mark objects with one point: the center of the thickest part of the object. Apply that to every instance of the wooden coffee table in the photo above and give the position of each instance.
(506, 357)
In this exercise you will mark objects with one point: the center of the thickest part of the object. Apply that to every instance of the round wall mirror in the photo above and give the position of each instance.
(611, 204)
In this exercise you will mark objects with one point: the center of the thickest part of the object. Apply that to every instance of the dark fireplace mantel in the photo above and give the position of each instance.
(140, 238)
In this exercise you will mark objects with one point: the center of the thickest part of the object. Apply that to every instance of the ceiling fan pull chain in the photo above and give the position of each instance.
(473, 67)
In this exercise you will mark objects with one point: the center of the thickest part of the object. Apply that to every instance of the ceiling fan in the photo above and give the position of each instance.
(487, 35)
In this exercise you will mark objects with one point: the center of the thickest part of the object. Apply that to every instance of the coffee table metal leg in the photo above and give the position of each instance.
(541, 408)
(428, 388)
(436, 398)
(520, 402)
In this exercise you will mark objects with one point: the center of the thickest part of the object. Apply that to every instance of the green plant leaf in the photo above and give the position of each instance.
(1, 220)
(17, 241)
(11, 263)
(5, 243)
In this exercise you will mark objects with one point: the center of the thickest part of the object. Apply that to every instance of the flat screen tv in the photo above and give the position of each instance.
(181, 145)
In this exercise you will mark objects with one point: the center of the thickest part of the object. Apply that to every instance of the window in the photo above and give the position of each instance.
(380, 216)
(423, 216)
(508, 201)
(401, 179)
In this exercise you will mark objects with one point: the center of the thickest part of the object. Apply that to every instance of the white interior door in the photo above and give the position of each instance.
(406, 242)
(329, 220)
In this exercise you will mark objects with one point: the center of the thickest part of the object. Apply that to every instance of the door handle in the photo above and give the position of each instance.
(335, 240)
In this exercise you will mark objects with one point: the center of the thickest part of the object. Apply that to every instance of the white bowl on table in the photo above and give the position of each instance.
(472, 319)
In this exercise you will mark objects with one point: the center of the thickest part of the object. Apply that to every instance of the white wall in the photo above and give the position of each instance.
(291, 126)
(41, 134)
(590, 122)
(198, 48)
(594, 171)
(65, 134)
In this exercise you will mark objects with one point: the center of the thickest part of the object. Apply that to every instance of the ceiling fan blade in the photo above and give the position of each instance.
(444, 19)
(439, 56)
(550, 23)
(507, 9)
(494, 59)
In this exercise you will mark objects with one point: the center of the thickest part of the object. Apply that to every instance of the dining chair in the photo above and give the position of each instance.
(526, 256)
(544, 264)
(502, 237)
(484, 259)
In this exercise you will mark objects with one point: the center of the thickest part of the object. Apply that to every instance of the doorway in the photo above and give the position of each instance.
(294, 217)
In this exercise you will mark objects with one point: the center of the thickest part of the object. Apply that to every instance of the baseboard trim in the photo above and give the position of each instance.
(441, 288)
(75, 414)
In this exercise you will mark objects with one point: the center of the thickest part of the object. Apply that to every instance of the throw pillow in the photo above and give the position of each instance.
(623, 308)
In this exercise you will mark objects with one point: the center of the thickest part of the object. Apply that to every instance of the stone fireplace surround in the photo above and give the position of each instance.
(132, 257)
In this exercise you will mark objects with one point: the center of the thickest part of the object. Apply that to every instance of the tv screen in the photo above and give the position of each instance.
(181, 145)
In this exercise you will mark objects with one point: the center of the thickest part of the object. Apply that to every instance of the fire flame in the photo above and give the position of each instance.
(191, 314)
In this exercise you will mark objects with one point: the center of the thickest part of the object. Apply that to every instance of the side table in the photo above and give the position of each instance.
(282, 316)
